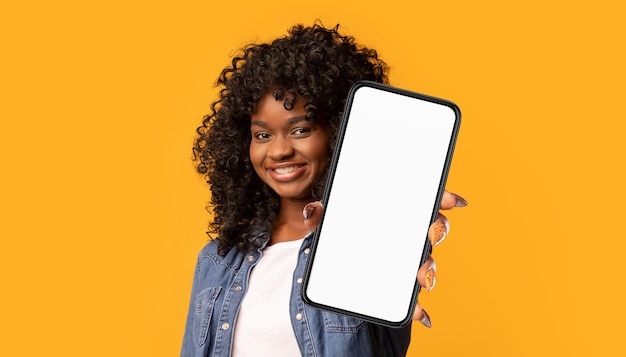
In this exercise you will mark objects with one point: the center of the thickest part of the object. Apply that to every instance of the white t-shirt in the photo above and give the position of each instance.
(263, 326)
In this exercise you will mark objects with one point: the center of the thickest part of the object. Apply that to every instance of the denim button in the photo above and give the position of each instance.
(238, 287)
(298, 317)
(299, 280)
(307, 250)
(250, 258)
(225, 326)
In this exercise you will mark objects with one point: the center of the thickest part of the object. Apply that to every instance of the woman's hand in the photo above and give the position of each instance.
(426, 275)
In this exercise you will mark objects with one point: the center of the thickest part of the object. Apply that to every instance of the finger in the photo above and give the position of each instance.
(312, 213)
(450, 200)
(422, 316)
(438, 230)
(427, 274)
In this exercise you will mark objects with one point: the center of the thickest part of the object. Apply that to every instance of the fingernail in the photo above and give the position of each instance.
(308, 210)
(440, 231)
(431, 279)
(425, 320)
(460, 201)
(431, 276)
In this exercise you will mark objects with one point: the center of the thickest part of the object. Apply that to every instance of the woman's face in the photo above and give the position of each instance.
(287, 152)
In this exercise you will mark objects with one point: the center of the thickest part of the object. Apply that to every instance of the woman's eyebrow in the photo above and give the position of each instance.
(258, 123)
(290, 121)
(297, 119)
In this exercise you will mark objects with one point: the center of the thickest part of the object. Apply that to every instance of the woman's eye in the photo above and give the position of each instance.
(262, 136)
(300, 131)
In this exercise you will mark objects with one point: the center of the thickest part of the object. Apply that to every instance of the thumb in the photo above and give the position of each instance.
(312, 213)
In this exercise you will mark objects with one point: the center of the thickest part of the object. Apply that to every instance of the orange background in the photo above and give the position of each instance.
(103, 215)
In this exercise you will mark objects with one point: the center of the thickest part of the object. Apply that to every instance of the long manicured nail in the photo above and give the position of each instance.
(439, 231)
(431, 280)
(460, 201)
(431, 277)
(425, 320)
(308, 210)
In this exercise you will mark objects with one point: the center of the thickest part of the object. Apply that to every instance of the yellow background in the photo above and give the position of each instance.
(102, 213)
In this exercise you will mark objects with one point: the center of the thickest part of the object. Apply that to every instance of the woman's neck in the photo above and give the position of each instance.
(289, 224)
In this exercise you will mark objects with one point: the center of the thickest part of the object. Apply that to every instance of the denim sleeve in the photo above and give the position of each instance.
(188, 348)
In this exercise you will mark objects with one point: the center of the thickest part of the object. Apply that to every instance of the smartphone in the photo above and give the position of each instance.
(385, 182)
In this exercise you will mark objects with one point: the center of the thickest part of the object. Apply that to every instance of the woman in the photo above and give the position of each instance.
(265, 149)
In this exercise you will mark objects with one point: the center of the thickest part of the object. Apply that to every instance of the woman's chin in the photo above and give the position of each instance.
(296, 196)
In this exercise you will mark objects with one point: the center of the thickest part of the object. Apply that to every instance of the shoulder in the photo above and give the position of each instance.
(208, 257)
(209, 250)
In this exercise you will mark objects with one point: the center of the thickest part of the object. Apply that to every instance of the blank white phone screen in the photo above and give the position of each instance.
(387, 179)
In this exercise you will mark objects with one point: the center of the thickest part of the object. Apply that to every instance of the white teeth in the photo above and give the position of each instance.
(284, 170)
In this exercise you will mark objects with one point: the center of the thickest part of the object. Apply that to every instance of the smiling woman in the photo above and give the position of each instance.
(265, 150)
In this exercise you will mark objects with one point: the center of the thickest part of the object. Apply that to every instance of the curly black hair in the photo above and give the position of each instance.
(315, 63)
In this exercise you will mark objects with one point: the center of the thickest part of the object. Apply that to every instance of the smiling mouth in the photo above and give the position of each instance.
(286, 169)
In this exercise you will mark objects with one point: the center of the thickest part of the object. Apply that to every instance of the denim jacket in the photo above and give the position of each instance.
(219, 286)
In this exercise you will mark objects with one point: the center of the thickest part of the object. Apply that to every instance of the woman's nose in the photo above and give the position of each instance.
(280, 148)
